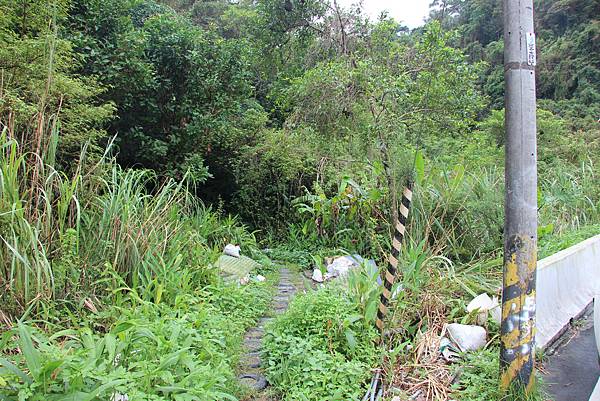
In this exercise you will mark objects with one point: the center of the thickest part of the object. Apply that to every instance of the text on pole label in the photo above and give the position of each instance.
(531, 57)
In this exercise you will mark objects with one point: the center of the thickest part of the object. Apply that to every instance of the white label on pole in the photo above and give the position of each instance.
(531, 57)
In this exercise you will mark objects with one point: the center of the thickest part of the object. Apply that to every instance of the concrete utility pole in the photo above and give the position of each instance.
(517, 353)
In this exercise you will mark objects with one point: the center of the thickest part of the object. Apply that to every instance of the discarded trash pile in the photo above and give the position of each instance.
(427, 373)
(339, 267)
(237, 268)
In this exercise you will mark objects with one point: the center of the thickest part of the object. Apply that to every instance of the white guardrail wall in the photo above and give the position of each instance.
(566, 284)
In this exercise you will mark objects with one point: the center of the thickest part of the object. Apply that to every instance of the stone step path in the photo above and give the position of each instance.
(250, 365)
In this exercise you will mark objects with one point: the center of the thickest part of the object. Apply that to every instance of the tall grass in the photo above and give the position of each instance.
(60, 233)
(125, 222)
(570, 197)
(459, 210)
(37, 203)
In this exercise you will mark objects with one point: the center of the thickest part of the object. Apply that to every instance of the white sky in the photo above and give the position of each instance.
(410, 12)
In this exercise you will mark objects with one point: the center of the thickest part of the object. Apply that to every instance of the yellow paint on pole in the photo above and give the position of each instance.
(512, 271)
(508, 375)
(518, 312)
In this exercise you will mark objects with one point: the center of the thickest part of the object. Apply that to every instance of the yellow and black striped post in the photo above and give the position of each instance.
(390, 274)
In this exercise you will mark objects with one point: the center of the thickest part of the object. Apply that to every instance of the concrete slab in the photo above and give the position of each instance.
(566, 283)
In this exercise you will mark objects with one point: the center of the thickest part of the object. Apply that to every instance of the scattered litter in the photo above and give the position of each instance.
(233, 269)
(375, 390)
(90, 305)
(467, 337)
(245, 280)
(318, 276)
(415, 395)
(339, 267)
(486, 306)
(260, 278)
(119, 397)
(232, 250)
(448, 350)
(496, 311)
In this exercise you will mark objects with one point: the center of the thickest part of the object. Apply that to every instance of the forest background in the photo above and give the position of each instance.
(133, 130)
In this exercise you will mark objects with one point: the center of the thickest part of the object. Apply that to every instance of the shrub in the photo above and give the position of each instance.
(321, 348)
(352, 217)
(150, 353)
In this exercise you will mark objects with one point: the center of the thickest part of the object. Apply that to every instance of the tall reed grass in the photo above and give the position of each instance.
(59, 233)
(459, 211)
(37, 204)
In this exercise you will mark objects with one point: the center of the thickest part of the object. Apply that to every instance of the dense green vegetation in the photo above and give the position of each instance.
(567, 32)
(138, 137)
(322, 348)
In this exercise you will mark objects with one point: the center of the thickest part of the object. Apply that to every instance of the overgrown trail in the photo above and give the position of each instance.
(252, 373)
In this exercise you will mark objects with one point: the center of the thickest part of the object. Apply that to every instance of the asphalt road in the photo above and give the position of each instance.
(573, 370)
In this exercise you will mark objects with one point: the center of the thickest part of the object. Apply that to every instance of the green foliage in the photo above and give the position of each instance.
(38, 77)
(567, 163)
(183, 94)
(37, 205)
(285, 161)
(288, 16)
(479, 380)
(364, 290)
(115, 269)
(60, 233)
(66, 269)
(337, 220)
(303, 117)
(456, 211)
(183, 350)
(291, 254)
(567, 71)
(552, 244)
(321, 348)
(390, 93)
(557, 145)
(303, 372)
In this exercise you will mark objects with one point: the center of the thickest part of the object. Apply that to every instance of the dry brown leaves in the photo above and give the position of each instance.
(424, 374)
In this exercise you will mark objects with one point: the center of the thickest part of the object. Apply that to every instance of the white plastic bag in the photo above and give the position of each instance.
(317, 276)
(232, 250)
(340, 266)
(485, 305)
(467, 337)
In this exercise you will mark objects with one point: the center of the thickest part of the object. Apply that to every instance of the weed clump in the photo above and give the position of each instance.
(321, 348)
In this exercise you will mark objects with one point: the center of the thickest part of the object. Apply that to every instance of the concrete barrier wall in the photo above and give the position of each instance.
(566, 283)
